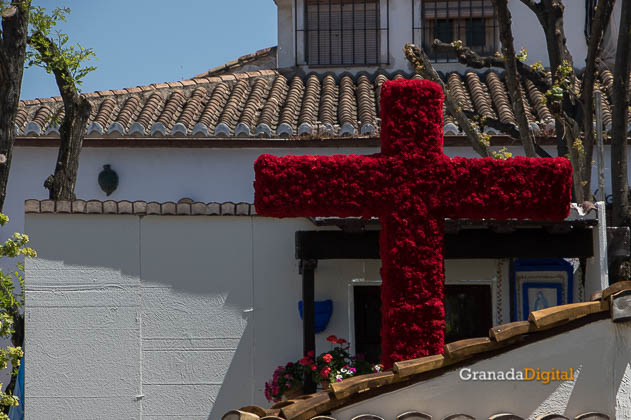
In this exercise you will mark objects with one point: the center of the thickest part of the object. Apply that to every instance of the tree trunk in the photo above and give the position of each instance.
(61, 185)
(512, 77)
(619, 182)
(599, 25)
(76, 114)
(550, 15)
(12, 53)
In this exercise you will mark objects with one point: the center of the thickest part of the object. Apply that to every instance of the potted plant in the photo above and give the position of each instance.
(286, 382)
(334, 365)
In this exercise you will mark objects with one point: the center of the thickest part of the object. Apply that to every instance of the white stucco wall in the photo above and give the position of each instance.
(174, 316)
(599, 354)
(169, 174)
(527, 32)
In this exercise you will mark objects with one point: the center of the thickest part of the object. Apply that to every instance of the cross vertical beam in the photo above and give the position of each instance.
(307, 269)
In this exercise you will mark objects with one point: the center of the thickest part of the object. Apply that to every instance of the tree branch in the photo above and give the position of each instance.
(423, 66)
(77, 111)
(494, 123)
(50, 54)
(512, 77)
(15, 20)
(620, 185)
(472, 59)
(599, 25)
(531, 5)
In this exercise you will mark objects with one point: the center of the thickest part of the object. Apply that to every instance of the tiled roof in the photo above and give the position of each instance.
(258, 58)
(267, 104)
(541, 324)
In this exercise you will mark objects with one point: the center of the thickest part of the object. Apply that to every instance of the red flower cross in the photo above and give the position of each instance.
(412, 187)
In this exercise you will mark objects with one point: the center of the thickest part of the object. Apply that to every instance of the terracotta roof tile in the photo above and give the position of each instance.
(239, 63)
(500, 98)
(268, 104)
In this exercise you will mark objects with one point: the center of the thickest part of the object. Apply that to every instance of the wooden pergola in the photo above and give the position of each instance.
(464, 239)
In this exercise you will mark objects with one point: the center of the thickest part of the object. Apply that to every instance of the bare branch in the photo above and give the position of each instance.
(423, 66)
(599, 25)
(472, 59)
(531, 4)
(494, 123)
(512, 77)
(620, 185)
(12, 55)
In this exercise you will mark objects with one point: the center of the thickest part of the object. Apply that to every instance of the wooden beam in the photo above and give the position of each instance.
(466, 243)
(555, 314)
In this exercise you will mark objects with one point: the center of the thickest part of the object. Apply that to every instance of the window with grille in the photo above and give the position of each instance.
(342, 32)
(471, 21)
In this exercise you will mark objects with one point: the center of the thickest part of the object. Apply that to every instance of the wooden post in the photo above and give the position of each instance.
(307, 269)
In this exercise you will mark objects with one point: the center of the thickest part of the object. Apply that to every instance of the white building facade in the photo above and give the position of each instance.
(134, 314)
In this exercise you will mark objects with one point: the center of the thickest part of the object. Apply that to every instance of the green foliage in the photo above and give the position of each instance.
(49, 48)
(563, 83)
(11, 302)
(502, 154)
(523, 55)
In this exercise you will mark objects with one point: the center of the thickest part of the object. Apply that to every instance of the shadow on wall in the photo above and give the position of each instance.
(190, 282)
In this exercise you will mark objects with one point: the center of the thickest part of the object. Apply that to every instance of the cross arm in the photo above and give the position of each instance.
(516, 188)
(311, 186)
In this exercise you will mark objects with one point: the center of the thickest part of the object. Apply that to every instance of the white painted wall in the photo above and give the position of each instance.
(527, 32)
(599, 353)
(169, 174)
(174, 316)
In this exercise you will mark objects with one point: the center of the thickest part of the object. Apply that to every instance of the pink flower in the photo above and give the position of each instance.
(327, 358)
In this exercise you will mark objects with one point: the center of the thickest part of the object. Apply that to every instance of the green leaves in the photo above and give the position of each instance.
(11, 301)
(50, 48)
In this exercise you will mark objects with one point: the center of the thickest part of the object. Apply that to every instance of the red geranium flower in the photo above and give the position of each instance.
(332, 339)
(327, 358)
(325, 372)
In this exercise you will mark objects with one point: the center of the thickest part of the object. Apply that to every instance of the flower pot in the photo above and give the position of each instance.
(325, 385)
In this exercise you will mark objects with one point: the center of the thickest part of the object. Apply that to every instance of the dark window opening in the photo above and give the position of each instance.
(475, 33)
(342, 32)
(368, 322)
(468, 310)
(444, 30)
(471, 21)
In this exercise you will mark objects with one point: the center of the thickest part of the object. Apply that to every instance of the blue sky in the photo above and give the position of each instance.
(140, 42)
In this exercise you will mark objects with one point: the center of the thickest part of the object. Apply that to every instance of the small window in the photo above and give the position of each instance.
(468, 314)
(342, 32)
(471, 21)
